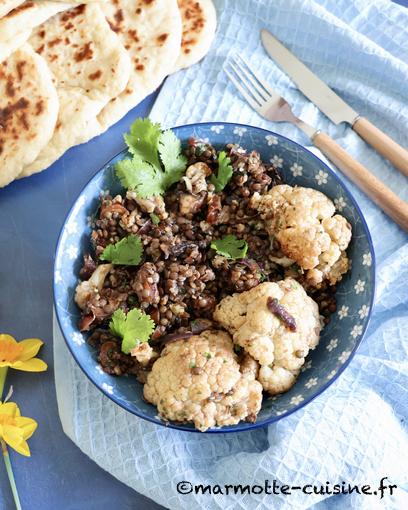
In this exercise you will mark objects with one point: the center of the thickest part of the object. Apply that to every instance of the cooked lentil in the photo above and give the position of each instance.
(181, 279)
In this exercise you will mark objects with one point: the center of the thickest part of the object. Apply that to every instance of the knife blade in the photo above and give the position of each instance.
(331, 104)
(307, 82)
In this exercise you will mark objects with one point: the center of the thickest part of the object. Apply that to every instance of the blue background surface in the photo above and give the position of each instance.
(58, 475)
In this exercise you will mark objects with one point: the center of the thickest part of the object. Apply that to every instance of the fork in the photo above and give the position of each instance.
(272, 106)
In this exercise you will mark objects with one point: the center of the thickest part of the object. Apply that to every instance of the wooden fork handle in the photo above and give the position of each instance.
(383, 144)
(386, 199)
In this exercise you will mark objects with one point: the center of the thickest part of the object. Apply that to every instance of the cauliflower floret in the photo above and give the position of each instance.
(190, 204)
(199, 380)
(150, 205)
(277, 379)
(195, 178)
(249, 367)
(275, 339)
(332, 274)
(89, 288)
(308, 231)
(144, 353)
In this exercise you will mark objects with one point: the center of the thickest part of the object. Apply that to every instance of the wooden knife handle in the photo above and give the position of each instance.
(383, 144)
(386, 199)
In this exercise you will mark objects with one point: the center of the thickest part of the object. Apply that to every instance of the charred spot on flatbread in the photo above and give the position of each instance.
(28, 111)
(90, 67)
(199, 23)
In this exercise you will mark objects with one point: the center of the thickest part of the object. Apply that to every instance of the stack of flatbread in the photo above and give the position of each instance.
(70, 70)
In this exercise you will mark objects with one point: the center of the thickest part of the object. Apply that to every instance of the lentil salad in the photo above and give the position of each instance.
(183, 276)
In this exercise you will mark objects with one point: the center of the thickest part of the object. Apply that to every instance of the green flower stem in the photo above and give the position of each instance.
(6, 456)
(10, 474)
(3, 375)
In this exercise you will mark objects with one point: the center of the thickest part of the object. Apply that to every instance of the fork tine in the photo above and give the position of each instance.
(237, 84)
(245, 81)
(251, 76)
(264, 84)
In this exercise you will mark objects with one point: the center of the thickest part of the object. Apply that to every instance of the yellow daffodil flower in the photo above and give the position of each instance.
(21, 355)
(16, 429)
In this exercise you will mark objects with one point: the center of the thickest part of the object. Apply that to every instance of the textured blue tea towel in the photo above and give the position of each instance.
(356, 431)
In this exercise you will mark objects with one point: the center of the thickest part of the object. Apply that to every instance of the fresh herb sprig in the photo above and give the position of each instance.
(224, 173)
(157, 162)
(230, 247)
(134, 328)
(155, 219)
(128, 251)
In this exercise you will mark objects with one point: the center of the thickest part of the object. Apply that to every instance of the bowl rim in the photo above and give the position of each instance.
(241, 426)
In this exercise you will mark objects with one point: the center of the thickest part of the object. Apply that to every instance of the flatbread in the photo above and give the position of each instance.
(8, 5)
(27, 16)
(90, 66)
(28, 111)
(10, 46)
(151, 32)
(199, 24)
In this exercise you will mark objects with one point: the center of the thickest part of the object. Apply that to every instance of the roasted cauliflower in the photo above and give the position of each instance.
(151, 205)
(88, 288)
(195, 178)
(302, 220)
(144, 353)
(277, 324)
(199, 380)
(276, 379)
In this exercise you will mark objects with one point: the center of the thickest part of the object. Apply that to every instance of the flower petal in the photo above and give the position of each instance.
(30, 346)
(31, 365)
(9, 409)
(27, 425)
(22, 448)
(14, 437)
(9, 338)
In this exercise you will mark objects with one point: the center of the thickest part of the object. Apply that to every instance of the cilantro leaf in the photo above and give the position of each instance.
(157, 163)
(117, 322)
(224, 173)
(230, 247)
(155, 219)
(139, 176)
(143, 139)
(172, 158)
(133, 328)
(128, 251)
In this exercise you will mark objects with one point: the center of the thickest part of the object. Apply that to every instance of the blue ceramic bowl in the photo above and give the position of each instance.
(339, 340)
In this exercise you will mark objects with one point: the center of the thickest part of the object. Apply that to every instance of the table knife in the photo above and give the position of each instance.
(331, 104)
